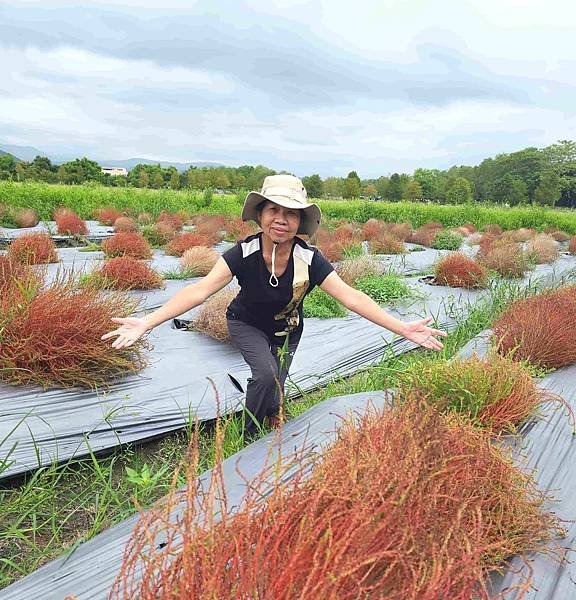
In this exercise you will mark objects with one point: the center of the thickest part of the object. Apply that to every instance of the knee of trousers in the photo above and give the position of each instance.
(266, 381)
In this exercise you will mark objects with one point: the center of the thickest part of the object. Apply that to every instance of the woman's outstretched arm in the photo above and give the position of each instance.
(132, 328)
(357, 301)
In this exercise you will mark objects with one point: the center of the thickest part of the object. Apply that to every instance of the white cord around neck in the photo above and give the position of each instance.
(273, 281)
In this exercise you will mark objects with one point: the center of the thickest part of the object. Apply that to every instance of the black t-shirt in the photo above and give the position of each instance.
(258, 301)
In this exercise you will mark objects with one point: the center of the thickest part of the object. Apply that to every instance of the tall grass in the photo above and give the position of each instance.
(84, 199)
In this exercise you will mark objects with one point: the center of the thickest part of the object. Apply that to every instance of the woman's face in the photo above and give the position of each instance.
(280, 224)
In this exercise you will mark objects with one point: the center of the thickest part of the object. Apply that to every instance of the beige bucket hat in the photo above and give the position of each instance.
(288, 191)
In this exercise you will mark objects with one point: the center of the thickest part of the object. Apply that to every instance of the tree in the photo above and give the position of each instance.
(143, 179)
(352, 185)
(458, 191)
(429, 180)
(314, 186)
(548, 190)
(7, 166)
(395, 188)
(80, 170)
(157, 180)
(382, 186)
(413, 190)
(334, 187)
(174, 182)
(369, 190)
(509, 190)
(42, 163)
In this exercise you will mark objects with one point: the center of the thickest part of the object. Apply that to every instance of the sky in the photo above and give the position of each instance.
(304, 86)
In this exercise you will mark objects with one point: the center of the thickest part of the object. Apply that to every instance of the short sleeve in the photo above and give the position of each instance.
(320, 268)
(233, 258)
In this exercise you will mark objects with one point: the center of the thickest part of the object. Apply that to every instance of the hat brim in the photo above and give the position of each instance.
(308, 225)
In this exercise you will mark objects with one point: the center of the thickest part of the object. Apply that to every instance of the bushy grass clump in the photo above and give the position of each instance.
(540, 329)
(52, 337)
(447, 240)
(459, 270)
(384, 288)
(507, 260)
(321, 305)
(198, 261)
(107, 215)
(494, 392)
(26, 217)
(237, 229)
(211, 318)
(16, 280)
(127, 243)
(426, 234)
(125, 224)
(402, 489)
(387, 244)
(572, 245)
(542, 249)
(33, 249)
(352, 269)
(158, 234)
(185, 241)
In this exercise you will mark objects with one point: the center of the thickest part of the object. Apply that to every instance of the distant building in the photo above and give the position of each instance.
(115, 171)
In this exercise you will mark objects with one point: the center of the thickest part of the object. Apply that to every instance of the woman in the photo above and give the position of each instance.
(275, 270)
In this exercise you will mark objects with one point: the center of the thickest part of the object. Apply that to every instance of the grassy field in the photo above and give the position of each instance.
(84, 199)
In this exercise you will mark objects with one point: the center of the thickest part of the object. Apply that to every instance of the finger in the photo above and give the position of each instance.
(119, 319)
(426, 320)
(107, 336)
(119, 342)
(438, 332)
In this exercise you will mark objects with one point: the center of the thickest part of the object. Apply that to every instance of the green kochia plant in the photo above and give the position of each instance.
(384, 288)
(321, 305)
(447, 240)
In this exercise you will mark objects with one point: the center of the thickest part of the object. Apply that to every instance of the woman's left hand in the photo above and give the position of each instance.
(419, 333)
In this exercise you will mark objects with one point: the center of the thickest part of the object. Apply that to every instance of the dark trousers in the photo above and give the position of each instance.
(269, 362)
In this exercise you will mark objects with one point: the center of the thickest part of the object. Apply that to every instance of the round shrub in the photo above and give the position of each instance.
(237, 229)
(523, 234)
(145, 218)
(508, 260)
(199, 260)
(560, 236)
(447, 240)
(173, 220)
(470, 227)
(33, 249)
(211, 318)
(53, 339)
(127, 273)
(372, 229)
(332, 251)
(401, 231)
(384, 288)
(26, 217)
(426, 234)
(540, 329)
(107, 215)
(127, 243)
(572, 245)
(387, 244)
(353, 269)
(492, 229)
(16, 280)
(158, 234)
(493, 392)
(459, 270)
(69, 223)
(185, 241)
(542, 249)
(125, 224)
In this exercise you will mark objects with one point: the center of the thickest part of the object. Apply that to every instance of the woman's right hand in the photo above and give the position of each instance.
(130, 330)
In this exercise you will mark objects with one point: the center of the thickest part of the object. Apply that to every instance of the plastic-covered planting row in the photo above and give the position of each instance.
(89, 572)
(39, 427)
(96, 232)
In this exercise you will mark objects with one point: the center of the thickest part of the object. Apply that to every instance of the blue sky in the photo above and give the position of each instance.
(317, 86)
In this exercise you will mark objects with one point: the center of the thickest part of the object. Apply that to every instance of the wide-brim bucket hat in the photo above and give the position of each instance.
(288, 191)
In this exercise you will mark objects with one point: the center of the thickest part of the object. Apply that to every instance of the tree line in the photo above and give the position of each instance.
(544, 176)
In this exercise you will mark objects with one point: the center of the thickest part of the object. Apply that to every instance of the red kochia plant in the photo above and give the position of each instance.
(16, 279)
(372, 229)
(406, 505)
(543, 248)
(426, 234)
(508, 260)
(572, 246)
(26, 217)
(125, 224)
(459, 270)
(238, 229)
(185, 241)
(332, 251)
(540, 329)
(560, 236)
(401, 231)
(107, 215)
(127, 243)
(69, 223)
(492, 229)
(33, 249)
(53, 338)
(175, 221)
(127, 273)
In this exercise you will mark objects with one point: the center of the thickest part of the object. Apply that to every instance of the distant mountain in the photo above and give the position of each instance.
(28, 153)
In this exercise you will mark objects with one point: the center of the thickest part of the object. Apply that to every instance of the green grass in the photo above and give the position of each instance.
(385, 288)
(321, 305)
(447, 240)
(46, 513)
(353, 251)
(187, 273)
